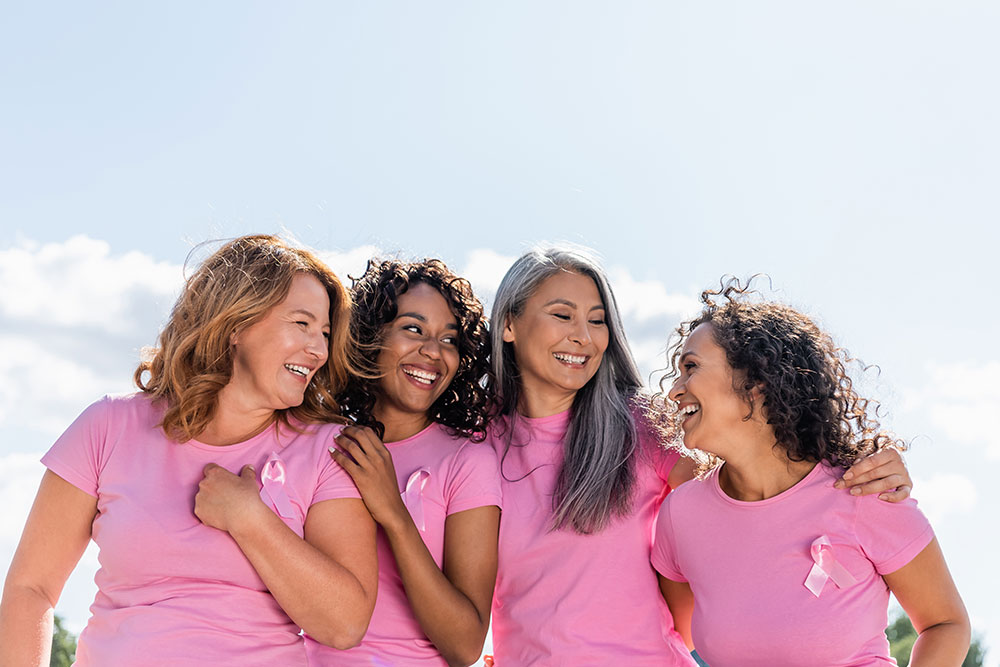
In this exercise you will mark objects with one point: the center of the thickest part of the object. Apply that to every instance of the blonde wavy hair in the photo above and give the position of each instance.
(231, 290)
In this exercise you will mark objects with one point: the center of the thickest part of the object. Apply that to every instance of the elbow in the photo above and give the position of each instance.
(465, 655)
(341, 636)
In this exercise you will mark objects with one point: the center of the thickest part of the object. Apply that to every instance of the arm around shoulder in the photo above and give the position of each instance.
(55, 535)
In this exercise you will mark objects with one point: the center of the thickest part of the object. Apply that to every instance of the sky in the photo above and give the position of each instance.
(848, 150)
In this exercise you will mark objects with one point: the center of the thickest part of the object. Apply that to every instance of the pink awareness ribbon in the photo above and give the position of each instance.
(825, 566)
(413, 496)
(272, 479)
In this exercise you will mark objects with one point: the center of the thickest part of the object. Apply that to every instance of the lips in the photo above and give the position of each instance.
(571, 359)
(687, 410)
(301, 371)
(421, 376)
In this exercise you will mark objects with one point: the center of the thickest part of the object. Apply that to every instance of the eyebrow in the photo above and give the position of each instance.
(306, 313)
(418, 316)
(567, 302)
(686, 355)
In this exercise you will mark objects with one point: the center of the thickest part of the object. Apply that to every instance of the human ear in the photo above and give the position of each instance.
(508, 330)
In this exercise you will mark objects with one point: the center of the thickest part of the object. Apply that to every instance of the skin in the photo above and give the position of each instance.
(452, 604)
(561, 323)
(330, 565)
(757, 469)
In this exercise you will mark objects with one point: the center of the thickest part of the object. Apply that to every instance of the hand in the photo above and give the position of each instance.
(224, 499)
(369, 464)
(883, 472)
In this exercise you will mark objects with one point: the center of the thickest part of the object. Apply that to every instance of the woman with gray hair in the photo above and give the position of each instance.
(582, 475)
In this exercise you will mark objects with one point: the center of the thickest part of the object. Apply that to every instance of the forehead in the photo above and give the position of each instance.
(569, 286)
(308, 294)
(702, 341)
(426, 300)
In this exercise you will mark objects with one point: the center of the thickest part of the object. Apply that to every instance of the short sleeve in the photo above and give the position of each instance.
(333, 481)
(663, 555)
(474, 479)
(79, 455)
(891, 534)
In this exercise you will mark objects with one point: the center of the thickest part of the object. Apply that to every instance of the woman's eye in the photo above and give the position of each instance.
(413, 328)
(326, 335)
(450, 340)
(598, 322)
(689, 366)
(561, 316)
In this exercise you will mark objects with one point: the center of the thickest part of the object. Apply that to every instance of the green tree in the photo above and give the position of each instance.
(63, 645)
(902, 635)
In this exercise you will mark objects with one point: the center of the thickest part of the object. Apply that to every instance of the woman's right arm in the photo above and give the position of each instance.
(680, 600)
(56, 533)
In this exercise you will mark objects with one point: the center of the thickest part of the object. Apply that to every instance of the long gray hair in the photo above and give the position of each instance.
(597, 477)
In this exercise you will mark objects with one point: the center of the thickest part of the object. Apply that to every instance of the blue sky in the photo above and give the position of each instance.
(847, 149)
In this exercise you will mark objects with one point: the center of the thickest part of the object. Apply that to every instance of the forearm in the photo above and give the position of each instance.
(25, 626)
(320, 595)
(942, 644)
(446, 615)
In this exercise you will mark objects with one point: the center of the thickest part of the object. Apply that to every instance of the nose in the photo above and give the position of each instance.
(431, 348)
(319, 347)
(580, 333)
(676, 389)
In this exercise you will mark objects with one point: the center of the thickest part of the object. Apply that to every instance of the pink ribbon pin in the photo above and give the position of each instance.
(825, 566)
(272, 479)
(413, 496)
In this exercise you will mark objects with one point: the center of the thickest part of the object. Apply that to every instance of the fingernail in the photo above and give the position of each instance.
(884, 496)
(848, 475)
(839, 484)
(855, 491)
(331, 449)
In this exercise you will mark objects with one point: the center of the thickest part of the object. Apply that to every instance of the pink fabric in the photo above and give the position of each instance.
(172, 591)
(748, 564)
(568, 599)
(438, 475)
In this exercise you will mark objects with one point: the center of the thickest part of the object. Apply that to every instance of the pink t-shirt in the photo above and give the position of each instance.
(563, 598)
(172, 591)
(438, 475)
(748, 562)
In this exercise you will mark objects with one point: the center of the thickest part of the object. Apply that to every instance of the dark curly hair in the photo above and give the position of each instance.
(809, 398)
(464, 404)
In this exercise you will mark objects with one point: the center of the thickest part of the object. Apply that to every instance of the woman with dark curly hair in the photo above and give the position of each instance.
(784, 568)
(418, 460)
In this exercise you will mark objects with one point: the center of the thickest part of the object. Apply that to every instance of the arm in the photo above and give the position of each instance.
(683, 471)
(925, 590)
(681, 602)
(326, 583)
(55, 535)
(883, 472)
(452, 606)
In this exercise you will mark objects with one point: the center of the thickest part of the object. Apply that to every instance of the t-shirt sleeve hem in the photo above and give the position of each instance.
(68, 474)
(474, 502)
(336, 494)
(666, 571)
(908, 553)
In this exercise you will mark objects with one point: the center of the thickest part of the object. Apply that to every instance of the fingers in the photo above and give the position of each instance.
(901, 493)
(247, 472)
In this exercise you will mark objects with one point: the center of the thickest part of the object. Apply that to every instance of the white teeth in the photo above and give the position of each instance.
(688, 409)
(570, 358)
(298, 370)
(423, 377)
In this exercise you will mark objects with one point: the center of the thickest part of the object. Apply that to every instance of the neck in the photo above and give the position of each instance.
(400, 425)
(763, 475)
(538, 402)
(233, 423)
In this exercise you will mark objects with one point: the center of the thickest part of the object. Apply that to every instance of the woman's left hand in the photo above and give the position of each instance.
(369, 463)
(225, 499)
(883, 473)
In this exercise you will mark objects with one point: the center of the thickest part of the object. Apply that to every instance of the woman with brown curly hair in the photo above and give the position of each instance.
(784, 568)
(243, 381)
(418, 459)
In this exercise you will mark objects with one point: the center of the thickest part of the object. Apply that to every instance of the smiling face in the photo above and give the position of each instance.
(418, 358)
(713, 413)
(275, 358)
(559, 339)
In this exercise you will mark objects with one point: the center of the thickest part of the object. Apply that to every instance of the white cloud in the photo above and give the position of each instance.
(79, 283)
(485, 268)
(962, 400)
(945, 494)
(350, 262)
(646, 300)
